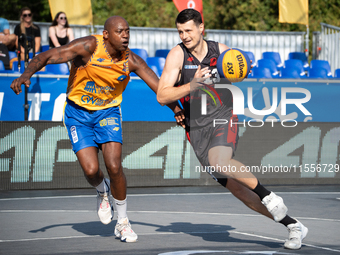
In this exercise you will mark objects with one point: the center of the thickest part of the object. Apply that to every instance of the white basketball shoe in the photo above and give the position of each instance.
(297, 232)
(104, 205)
(124, 232)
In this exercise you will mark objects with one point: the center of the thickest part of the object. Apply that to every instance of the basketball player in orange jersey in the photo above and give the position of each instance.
(100, 70)
(215, 146)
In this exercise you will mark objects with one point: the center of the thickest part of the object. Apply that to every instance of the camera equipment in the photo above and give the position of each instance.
(28, 43)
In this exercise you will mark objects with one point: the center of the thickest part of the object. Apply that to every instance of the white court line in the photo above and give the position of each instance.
(48, 238)
(159, 212)
(167, 194)
(275, 239)
(47, 211)
(166, 233)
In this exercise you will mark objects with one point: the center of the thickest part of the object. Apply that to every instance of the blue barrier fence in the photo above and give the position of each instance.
(47, 95)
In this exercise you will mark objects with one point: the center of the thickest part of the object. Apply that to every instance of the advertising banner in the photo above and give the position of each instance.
(302, 100)
(38, 155)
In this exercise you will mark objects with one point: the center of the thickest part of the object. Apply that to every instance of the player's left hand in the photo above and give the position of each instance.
(251, 67)
(16, 84)
(179, 116)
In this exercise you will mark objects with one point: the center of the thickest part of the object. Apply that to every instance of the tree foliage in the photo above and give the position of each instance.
(10, 9)
(263, 15)
(139, 13)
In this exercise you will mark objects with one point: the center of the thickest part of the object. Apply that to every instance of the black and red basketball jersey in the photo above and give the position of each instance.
(217, 99)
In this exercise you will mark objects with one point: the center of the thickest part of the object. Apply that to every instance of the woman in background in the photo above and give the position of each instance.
(60, 32)
(26, 30)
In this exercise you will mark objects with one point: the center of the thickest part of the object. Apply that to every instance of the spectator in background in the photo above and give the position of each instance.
(30, 31)
(5, 36)
(60, 32)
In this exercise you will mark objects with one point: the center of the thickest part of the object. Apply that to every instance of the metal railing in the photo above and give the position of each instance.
(329, 42)
(152, 39)
(260, 41)
(78, 30)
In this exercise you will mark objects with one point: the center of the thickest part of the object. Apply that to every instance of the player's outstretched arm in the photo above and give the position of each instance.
(79, 50)
(167, 92)
(138, 65)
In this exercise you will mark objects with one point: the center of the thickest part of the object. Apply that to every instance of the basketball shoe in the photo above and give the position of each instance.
(104, 204)
(275, 206)
(297, 232)
(124, 232)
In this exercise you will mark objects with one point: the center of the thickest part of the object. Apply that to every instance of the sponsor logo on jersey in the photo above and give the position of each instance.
(86, 99)
(213, 61)
(90, 87)
(121, 78)
(190, 66)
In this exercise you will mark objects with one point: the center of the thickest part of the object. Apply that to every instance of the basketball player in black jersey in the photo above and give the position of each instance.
(187, 64)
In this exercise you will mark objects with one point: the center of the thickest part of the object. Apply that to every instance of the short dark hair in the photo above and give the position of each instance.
(187, 15)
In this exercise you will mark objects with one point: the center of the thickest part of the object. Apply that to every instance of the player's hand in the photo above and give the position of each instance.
(16, 84)
(200, 73)
(179, 116)
(200, 76)
(251, 67)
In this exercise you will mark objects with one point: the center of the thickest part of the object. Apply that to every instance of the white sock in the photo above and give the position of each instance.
(120, 206)
(102, 187)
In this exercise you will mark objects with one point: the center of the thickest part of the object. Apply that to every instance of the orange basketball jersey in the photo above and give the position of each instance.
(101, 82)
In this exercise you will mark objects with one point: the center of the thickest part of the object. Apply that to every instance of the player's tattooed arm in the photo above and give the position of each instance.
(138, 65)
(80, 49)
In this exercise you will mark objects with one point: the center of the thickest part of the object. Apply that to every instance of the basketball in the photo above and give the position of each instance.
(234, 65)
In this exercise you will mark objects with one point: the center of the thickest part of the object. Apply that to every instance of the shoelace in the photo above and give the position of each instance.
(295, 233)
(268, 200)
(123, 225)
(104, 197)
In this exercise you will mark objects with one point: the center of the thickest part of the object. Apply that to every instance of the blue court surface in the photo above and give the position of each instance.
(169, 221)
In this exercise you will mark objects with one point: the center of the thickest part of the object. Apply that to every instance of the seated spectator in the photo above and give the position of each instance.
(5, 37)
(60, 32)
(26, 30)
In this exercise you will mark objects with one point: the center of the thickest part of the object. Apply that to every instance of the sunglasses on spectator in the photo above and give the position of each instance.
(27, 15)
(63, 18)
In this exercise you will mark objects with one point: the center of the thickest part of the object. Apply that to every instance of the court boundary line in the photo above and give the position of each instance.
(167, 233)
(160, 212)
(167, 194)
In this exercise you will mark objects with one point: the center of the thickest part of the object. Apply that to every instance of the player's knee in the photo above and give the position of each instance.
(223, 169)
(115, 169)
(91, 171)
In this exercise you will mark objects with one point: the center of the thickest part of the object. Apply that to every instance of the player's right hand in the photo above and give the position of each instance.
(200, 76)
(200, 73)
(16, 84)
